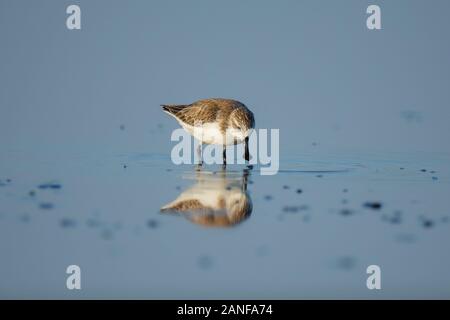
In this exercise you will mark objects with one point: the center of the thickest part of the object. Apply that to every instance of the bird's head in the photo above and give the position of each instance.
(242, 122)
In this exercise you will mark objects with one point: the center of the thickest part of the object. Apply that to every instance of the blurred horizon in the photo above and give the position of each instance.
(310, 68)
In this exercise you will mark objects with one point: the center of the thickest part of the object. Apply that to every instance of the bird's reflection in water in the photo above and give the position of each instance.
(217, 199)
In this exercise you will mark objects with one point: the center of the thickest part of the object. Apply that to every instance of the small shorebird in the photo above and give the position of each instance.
(215, 121)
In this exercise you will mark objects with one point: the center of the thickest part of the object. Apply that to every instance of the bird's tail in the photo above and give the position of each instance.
(173, 108)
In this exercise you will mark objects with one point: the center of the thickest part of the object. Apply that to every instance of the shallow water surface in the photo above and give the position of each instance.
(140, 227)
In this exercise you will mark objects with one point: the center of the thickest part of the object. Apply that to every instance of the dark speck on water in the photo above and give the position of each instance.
(346, 212)
(290, 209)
(205, 262)
(319, 176)
(178, 188)
(346, 263)
(424, 170)
(46, 205)
(122, 127)
(32, 193)
(395, 218)
(268, 197)
(299, 191)
(50, 185)
(125, 166)
(294, 209)
(285, 187)
(168, 170)
(402, 168)
(411, 116)
(67, 223)
(373, 205)
(427, 223)
(152, 224)
(434, 178)
(345, 190)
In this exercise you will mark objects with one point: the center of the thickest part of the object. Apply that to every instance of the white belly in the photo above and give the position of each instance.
(209, 133)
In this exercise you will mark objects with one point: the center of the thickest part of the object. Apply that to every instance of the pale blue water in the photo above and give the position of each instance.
(105, 218)
(360, 114)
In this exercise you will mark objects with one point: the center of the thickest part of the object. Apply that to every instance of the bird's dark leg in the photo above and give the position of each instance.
(247, 153)
(199, 154)
(224, 155)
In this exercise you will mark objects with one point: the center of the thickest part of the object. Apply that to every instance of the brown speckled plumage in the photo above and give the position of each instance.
(225, 112)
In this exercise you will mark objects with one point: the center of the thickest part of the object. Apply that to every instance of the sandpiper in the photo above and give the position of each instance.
(215, 121)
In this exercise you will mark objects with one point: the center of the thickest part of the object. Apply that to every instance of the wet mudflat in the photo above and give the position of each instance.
(150, 229)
